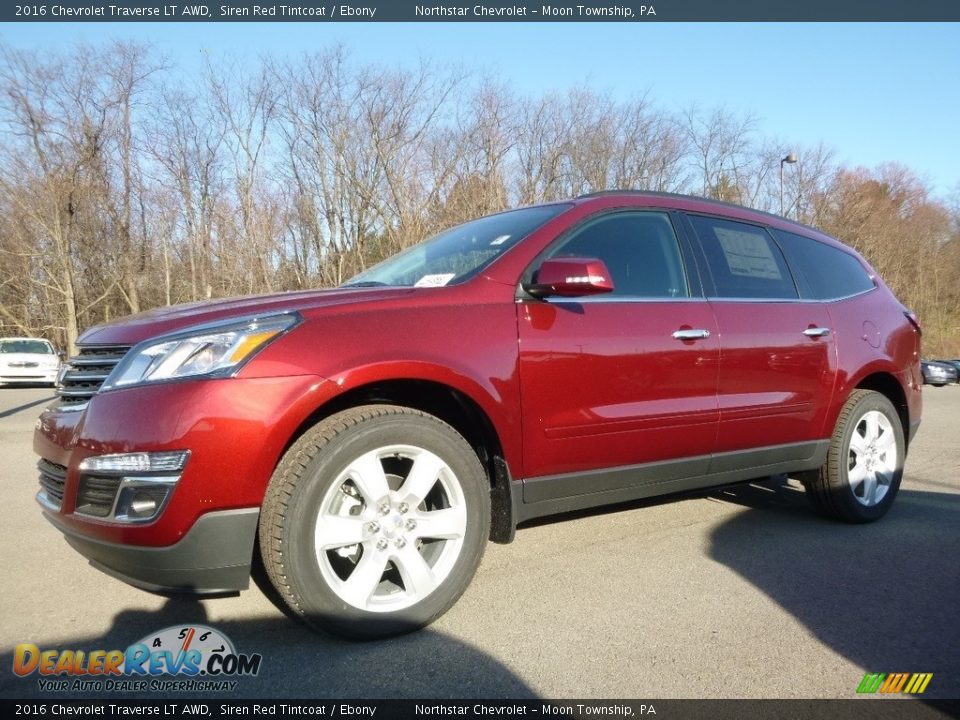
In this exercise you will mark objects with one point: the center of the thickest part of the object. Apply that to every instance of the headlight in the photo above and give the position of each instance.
(211, 351)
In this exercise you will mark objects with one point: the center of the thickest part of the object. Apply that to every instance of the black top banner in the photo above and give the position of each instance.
(484, 11)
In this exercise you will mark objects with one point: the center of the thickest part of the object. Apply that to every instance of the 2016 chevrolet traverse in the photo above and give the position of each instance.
(365, 442)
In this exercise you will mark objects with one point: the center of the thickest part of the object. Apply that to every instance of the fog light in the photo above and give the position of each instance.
(128, 487)
(142, 498)
(142, 505)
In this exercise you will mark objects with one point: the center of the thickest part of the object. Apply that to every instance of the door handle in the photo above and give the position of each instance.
(816, 332)
(695, 334)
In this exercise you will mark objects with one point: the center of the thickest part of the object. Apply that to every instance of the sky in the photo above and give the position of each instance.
(872, 92)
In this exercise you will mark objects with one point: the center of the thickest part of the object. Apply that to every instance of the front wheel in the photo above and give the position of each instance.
(375, 521)
(864, 466)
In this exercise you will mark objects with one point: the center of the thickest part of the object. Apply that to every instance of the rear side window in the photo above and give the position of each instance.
(744, 261)
(639, 249)
(828, 273)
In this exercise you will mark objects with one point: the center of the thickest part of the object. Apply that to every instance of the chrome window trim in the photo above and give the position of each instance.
(594, 299)
(792, 300)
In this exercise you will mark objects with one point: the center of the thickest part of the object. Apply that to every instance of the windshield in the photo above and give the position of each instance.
(459, 253)
(38, 347)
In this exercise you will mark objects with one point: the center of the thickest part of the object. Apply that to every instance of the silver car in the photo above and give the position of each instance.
(937, 374)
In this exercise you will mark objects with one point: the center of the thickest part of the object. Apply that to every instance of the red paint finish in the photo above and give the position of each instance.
(898, 354)
(606, 384)
(776, 384)
(567, 385)
(572, 277)
(235, 430)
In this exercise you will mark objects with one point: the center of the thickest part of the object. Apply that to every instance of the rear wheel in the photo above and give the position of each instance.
(375, 521)
(862, 474)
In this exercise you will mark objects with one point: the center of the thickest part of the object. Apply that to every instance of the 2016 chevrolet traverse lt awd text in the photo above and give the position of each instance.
(365, 442)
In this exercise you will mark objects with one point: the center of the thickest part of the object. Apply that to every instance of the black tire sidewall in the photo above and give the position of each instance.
(319, 604)
(851, 507)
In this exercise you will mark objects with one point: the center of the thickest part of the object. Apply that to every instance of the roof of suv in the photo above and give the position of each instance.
(690, 202)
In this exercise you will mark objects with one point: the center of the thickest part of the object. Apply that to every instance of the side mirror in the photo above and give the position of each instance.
(570, 277)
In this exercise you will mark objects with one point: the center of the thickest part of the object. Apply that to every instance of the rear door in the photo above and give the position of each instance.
(777, 354)
(604, 381)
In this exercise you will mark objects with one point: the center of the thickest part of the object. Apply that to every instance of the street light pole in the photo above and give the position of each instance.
(790, 158)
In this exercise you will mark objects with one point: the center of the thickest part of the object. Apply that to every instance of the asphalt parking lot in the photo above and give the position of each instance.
(742, 593)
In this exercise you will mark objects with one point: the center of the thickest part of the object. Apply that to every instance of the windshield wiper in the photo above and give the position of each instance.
(367, 283)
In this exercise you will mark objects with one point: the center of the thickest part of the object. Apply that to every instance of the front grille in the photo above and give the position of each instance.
(85, 373)
(53, 478)
(96, 495)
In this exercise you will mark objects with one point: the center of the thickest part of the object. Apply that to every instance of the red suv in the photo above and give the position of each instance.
(360, 445)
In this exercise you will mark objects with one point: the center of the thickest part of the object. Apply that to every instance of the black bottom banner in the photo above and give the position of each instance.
(857, 709)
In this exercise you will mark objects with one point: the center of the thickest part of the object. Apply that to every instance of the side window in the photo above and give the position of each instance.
(829, 272)
(744, 261)
(639, 249)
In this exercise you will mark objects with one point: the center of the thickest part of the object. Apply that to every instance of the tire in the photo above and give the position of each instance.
(864, 466)
(375, 521)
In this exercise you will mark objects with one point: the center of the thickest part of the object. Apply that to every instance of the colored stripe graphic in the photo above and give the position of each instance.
(907, 683)
(871, 682)
(918, 683)
(894, 683)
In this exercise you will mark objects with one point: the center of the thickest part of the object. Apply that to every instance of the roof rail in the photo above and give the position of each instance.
(711, 201)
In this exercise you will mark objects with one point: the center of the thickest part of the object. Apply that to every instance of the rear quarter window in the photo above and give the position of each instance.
(827, 272)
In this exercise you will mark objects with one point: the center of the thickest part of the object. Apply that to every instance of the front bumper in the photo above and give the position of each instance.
(28, 376)
(213, 558)
(236, 430)
(202, 541)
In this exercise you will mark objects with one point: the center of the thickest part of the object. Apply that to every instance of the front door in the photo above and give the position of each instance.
(624, 378)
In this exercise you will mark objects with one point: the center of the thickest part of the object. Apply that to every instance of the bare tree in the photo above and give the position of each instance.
(720, 146)
(247, 103)
(56, 131)
(187, 142)
(124, 187)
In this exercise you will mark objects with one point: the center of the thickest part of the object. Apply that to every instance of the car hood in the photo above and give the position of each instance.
(161, 321)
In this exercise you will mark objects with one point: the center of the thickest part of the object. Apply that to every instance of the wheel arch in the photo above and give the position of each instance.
(454, 407)
(887, 385)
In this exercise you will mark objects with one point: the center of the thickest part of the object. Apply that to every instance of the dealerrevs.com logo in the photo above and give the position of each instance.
(189, 658)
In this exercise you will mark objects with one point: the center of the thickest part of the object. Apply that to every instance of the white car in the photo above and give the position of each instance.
(28, 361)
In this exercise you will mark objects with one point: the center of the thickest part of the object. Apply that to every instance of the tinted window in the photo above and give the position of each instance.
(458, 253)
(828, 272)
(639, 249)
(744, 261)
